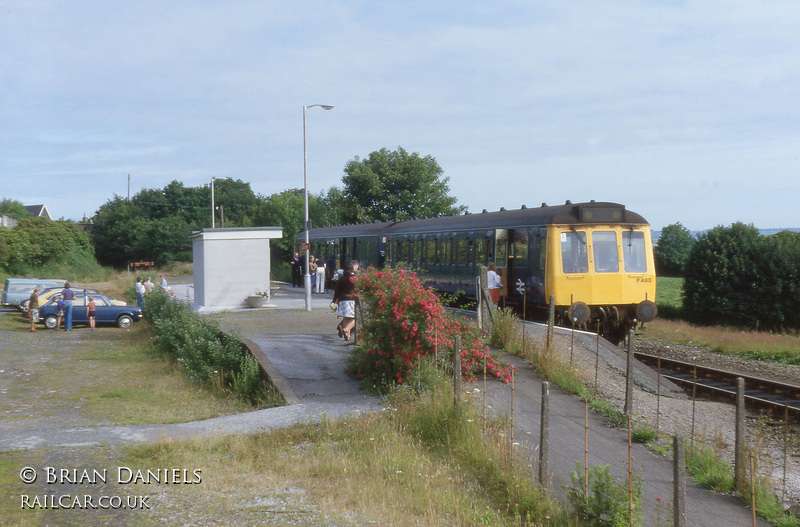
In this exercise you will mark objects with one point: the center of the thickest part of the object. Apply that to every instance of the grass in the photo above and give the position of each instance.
(419, 463)
(759, 345)
(108, 376)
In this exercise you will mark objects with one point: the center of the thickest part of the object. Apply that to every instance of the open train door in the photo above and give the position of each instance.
(501, 258)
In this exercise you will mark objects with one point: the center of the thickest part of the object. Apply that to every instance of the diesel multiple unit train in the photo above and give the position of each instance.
(595, 259)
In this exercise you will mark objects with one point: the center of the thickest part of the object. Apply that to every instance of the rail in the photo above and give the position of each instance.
(759, 393)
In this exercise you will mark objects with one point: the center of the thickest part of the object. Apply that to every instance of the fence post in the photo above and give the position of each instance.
(679, 488)
(480, 299)
(356, 312)
(457, 373)
(544, 436)
(628, 410)
(551, 321)
(739, 443)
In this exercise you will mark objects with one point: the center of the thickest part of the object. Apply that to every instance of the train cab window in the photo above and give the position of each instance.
(604, 251)
(574, 257)
(633, 252)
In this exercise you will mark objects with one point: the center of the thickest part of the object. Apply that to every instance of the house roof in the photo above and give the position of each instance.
(38, 210)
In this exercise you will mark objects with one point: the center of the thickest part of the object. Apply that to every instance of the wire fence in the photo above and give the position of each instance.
(565, 439)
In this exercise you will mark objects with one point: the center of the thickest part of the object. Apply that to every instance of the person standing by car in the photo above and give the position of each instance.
(60, 306)
(33, 308)
(139, 293)
(68, 295)
(91, 311)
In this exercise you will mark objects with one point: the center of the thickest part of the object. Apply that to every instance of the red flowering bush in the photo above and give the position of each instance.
(403, 321)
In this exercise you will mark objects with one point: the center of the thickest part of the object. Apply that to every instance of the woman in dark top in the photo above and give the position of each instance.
(344, 297)
(67, 295)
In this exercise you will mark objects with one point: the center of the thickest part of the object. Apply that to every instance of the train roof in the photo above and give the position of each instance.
(566, 214)
(358, 229)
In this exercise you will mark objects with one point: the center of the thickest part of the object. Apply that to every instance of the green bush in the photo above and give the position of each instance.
(736, 277)
(673, 249)
(205, 354)
(605, 502)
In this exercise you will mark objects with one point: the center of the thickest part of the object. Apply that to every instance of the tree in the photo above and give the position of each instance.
(13, 208)
(736, 277)
(392, 186)
(38, 242)
(720, 275)
(287, 209)
(672, 250)
(156, 224)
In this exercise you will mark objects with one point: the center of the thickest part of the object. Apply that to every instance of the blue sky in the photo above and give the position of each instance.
(683, 111)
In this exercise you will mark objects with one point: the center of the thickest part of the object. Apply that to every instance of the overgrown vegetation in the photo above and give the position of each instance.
(204, 353)
(604, 502)
(44, 248)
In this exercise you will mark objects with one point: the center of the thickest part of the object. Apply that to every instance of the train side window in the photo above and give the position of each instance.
(542, 250)
(633, 252)
(461, 254)
(480, 251)
(606, 255)
(521, 249)
(574, 257)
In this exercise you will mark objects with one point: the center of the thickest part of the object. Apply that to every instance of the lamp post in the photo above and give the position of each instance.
(213, 214)
(307, 276)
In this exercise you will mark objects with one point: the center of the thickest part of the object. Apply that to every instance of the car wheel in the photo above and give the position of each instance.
(50, 321)
(125, 321)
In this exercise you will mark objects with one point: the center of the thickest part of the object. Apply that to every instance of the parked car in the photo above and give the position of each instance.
(106, 313)
(16, 290)
(48, 293)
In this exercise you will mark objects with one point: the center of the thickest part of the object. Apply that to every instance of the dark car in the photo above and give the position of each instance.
(106, 313)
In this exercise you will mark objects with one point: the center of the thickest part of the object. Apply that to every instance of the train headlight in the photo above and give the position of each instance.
(646, 311)
(579, 313)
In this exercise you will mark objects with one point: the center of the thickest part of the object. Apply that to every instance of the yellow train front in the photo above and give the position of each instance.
(602, 271)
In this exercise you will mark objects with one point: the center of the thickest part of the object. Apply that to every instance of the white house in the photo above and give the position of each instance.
(230, 265)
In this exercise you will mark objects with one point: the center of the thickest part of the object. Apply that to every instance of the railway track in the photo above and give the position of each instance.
(761, 394)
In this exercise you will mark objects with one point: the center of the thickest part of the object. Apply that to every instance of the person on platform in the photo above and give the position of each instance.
(322, 270)
(344, 297)
(297, 273)
(493, 283)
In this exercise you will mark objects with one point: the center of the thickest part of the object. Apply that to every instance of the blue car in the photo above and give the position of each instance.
(106, 312)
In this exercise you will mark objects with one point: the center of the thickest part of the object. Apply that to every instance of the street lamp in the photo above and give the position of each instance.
(307, 276)
(212, 199)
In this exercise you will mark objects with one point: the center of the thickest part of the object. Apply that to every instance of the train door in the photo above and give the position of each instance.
(518, 265)
(501, 258)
